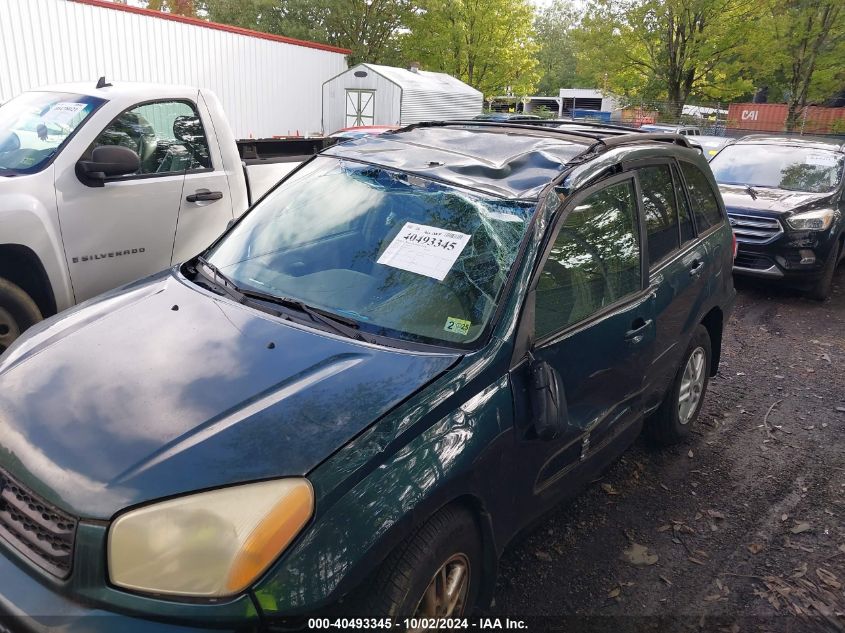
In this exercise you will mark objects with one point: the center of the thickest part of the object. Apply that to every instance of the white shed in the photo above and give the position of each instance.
(269, 85)
(369, 94)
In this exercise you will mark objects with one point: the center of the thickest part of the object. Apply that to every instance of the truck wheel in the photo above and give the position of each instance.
(677, 413)
(435, 573)
(821, 289)
(17, 312)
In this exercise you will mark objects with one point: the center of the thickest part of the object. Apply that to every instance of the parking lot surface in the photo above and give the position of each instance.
(741, 528)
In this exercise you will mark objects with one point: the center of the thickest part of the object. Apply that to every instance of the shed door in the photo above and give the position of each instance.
(360, 107)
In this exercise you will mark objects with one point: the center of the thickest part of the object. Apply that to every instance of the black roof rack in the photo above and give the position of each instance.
(593, 123)
(606, 142)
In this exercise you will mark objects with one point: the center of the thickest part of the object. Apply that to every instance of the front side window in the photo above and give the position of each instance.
(702, 197)
(594, 262)
(35, 126)
(400, 255)
(168, 137)
(661, 214)
(792, 168)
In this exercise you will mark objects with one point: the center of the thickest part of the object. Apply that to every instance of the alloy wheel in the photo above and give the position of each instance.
(446, 594)
(692, 385)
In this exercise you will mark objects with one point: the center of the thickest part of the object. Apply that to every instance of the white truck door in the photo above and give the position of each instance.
(206, 205)
(125, 229)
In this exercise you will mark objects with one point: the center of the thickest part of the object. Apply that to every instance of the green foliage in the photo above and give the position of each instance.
(801, 45)
(665, 49)
(556, 57)
(486, 43)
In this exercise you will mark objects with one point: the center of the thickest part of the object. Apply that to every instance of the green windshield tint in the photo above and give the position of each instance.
(403, 256)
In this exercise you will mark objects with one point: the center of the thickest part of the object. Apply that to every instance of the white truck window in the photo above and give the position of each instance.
(168, 137)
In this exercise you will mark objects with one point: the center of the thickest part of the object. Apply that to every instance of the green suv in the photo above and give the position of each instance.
(412, 347)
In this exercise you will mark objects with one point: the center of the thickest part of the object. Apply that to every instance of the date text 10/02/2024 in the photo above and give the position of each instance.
(481, 624)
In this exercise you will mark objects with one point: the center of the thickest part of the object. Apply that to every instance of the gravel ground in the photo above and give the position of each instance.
(744, 525)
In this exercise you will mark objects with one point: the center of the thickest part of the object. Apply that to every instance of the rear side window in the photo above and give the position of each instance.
(661, 213)
(595, 260)
(684, 213)
(702, 198)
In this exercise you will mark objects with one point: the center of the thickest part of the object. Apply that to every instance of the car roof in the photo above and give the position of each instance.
(513, 160)
(791, 141)
(125, 89)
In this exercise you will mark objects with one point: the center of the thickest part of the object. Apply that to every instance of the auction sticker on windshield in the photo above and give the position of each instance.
(425, 250)
(63, 112)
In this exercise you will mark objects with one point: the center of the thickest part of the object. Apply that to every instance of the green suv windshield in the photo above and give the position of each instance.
(402, 256)
(35, 126)
(779, 167)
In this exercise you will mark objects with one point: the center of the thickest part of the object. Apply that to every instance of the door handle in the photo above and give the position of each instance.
(204, 195)
(696, 268)
(638, 329)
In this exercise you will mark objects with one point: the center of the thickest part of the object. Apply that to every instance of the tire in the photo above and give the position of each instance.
(399, 587)
(821, 289)
(666, 425)
(17, 313)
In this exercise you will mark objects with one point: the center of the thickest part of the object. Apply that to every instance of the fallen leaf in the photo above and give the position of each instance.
(715, 514)
(712, 598)
(639, 555)
(666, 580)
(614, 593)
(694, 560)
(609, 489)
(799, 571)
(784, 517)
(664, 528)
(756, 548)
(828, 578)
(665, 487)
(798, 528)
(840, 409)
(690, 454)
(542, 555)
(842, 548)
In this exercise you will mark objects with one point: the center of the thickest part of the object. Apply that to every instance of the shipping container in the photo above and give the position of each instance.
(370, 94)
(771, 117)
(269, 85)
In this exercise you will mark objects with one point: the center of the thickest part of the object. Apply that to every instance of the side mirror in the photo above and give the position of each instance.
(548, 403)
(107, 161)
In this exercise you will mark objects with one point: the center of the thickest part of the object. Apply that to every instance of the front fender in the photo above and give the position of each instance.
(459, 457)
(29, 217)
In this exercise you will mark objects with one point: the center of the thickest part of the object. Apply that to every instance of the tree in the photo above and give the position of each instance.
(803, 44)
(487, 43)
(366, 27)
(556, 56)
(179, 7)
(668, 49)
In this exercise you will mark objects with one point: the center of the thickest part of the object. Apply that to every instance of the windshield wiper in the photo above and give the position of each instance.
(341, 325)
(750, 191)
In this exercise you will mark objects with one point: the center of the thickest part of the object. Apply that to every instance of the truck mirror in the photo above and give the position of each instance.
(547, 399)
(107, 161)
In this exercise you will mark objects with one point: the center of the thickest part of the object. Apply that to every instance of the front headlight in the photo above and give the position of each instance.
(811, 220)
(209, 544)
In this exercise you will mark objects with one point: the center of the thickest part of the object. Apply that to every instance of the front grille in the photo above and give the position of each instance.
(753, 229)
(38, 530)
(753, 261)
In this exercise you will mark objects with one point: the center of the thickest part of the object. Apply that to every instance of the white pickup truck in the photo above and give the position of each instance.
(104, 184)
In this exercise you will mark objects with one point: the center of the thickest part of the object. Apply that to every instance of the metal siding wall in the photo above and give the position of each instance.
(439, 106)
(388, 99)
(267, 88)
